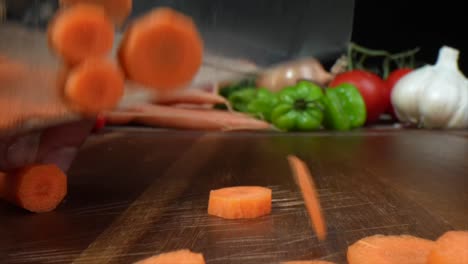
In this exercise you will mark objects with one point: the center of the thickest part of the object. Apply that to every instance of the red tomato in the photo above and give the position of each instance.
(372, 88)
(392, 79)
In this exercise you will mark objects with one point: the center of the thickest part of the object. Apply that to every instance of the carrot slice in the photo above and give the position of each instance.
(95, 85)
(36, 188)
(173, 117)
(307, 262)
(309, 193)
(117, 10)
(162, 50)
(381, 249)
(184, 256)
(79, 32)
(450, 248)
(240, 202)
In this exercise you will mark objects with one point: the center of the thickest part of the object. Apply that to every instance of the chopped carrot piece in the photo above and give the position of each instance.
(183, 256)
(307, 262)
(95, 85)
(309, 193)
(240, 202)
(173, 117)
(117, 10)
(162, 50)
(36, 188)
(450, 248)
(80, 32)
(381, 249)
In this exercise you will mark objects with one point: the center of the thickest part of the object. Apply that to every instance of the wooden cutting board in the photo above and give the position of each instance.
(134, 193)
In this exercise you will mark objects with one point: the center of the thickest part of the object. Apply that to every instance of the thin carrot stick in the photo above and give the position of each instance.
(36, 188)
(161, 50)
(309, 193)
(192, 96)
(183, 256)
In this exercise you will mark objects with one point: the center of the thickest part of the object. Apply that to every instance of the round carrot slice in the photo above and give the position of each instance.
(390, 250)
(450, 248)
(94, 86)
(161, 50)
(179, 256)
(118, 10)
(240, 202)
(36, 188)
(81, 31)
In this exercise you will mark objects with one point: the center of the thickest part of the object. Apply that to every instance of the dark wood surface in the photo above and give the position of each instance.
(135, 193)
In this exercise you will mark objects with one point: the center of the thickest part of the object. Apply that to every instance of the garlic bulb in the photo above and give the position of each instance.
(434, 96)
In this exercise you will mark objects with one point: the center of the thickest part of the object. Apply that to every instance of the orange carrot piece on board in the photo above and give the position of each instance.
(162, 50)
(36, 188)
(95, 85)
(79, 32)
(450, 248)
(117, 10)
(183, 256)
(173, 117)
(381, 249)
(308, 262)
(240, 202)
(309, 193)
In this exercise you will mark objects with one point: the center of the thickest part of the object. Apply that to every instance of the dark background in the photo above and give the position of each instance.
(400, 25)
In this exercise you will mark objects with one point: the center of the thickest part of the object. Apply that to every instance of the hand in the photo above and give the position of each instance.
(55, 145)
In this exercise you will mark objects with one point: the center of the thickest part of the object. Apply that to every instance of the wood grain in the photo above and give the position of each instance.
(135, 193)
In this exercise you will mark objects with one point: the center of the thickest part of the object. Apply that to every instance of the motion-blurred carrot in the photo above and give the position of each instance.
(162, 50)
(450, 248)
(192, 96)
(309, 193)
(183, 256)
(94, 86)
(117, 10)
(36, 188)
(80, 32)
(172, 117)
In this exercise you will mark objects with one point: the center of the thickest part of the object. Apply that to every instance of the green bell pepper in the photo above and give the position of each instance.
(345, 108)
(240, 99)
(263, 103)
(299, 108)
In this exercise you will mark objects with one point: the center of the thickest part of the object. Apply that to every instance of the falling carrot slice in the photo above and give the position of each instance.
(183, 256)
(381, 249)
(307, 262)
(36, 188)
(309, 193)
(450, 248)
(162, 50)
(240, 202)
(117, 10)
(79, 32)
(95, 85)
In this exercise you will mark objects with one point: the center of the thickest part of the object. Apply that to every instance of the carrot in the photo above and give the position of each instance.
(172, 117)
(309, 193)
(79, 32)
(183, 256)
(450, 248)
(95, 85)
(117, 10)
(36, 188)
(240, 202)
(189, 97)
(2, 183)
(381, 249)
(307, 262)
(162, 50)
